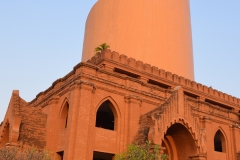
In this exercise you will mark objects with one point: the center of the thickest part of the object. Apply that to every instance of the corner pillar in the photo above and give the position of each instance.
(52, 123)
(79, 134)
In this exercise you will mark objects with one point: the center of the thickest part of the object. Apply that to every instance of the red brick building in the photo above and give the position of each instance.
(112, 100)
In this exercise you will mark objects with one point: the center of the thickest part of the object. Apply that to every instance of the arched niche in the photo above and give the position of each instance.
(219, 142)
(179, 143)
(64, 116)
(5, 136)
(106, 116)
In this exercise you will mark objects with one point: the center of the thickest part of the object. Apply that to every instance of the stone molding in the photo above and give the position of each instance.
(131, 63)
(212, 110)
(133, 99)
(92, 69)
(88, 85)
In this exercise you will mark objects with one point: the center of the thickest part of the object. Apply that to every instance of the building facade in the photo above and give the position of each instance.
(112, 100)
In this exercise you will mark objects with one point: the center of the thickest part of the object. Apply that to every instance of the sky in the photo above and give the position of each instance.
(41, 41)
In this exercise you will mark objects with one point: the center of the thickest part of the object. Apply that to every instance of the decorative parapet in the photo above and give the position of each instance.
(168, 77)
(144, 72)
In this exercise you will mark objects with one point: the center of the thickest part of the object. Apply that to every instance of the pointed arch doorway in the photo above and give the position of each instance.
(179, 143)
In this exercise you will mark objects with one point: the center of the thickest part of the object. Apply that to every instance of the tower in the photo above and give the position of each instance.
(157, 32)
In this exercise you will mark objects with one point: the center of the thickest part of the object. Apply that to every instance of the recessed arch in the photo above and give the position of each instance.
(64, 114)
(220, 141)
(179, 142)
(107, 114)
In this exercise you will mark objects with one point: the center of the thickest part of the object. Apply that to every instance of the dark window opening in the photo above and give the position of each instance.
(219, 142)
(102, 156)
(126, 72)
(64, 116)
(191, 95)
(60, 155)
(165, 86)
(105, 117)
(66, 121)
(218, 104)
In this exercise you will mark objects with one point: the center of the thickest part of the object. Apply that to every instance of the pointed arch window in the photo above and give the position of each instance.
(105, 116)
(219, 142)
(64, 116)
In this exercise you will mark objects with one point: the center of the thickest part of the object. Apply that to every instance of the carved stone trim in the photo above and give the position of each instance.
(133, 99)
(53, 100)
(236, 125)
(88, 83)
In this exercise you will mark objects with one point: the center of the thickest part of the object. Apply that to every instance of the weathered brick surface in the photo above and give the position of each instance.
(238, 156)
(147, 103)
(33, 127)
(142, 135)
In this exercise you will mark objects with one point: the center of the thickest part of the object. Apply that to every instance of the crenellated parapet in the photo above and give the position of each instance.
(140, 73)
(121, 63)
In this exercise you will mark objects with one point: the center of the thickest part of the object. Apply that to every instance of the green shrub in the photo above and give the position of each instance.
(147, 151)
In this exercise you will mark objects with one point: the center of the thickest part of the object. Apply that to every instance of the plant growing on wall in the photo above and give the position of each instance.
(8, 154)
(101, 48)
(13, 153)
(147, 151)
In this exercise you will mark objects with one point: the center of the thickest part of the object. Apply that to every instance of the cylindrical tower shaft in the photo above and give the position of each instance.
(157, 32)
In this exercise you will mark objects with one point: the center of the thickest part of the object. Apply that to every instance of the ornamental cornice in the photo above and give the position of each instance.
(216, 112)
(105, 81)
(80, 83)
(79, 65)
(130, 98)
(151, 72)
(53, 100)
(50, 92)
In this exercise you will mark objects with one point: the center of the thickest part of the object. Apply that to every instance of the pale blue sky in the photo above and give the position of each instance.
(41, 41)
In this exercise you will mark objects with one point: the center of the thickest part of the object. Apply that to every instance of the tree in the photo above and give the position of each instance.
(147, 151)
(101, 48)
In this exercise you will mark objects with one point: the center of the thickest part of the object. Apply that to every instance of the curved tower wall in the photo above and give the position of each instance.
(157, 32)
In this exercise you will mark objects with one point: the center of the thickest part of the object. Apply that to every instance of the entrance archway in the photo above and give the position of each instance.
(179, 143)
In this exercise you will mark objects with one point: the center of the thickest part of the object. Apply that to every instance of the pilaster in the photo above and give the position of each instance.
(133, 104)
(208, 145)
(81, 99)
(180, 101)
(72, 119)
(235, 141)
(52, 123)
